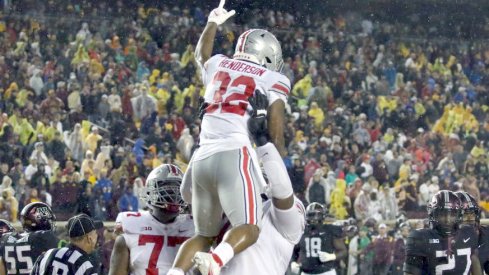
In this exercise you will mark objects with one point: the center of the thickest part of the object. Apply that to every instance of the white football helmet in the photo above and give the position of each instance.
(261, 47)
(163, 188)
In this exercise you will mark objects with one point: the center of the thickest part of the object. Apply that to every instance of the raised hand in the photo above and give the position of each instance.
(219, 15)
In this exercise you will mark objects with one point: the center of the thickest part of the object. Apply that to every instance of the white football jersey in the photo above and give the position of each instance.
(273, 250)
(153, 245)
(228, 85)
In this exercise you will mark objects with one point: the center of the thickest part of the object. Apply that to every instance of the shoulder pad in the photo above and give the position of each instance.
(127, 222)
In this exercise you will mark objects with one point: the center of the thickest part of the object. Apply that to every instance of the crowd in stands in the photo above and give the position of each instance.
(93, 96)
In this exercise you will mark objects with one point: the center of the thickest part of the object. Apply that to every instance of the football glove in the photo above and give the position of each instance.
(202, 106)
(326, 257)
(257, 124)
(219, 15)
(295, 267)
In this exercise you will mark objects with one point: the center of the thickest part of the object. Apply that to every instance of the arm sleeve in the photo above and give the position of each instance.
(291, 222)
(415, 255)
(279, 180)
(279, 89)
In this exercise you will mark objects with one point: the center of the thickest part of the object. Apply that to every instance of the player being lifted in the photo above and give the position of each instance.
(283, 214)
(445, 248)
(149, 240)
(224, 171)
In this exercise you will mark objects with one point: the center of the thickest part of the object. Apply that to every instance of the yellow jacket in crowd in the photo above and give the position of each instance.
(338, 200)
(318, 115)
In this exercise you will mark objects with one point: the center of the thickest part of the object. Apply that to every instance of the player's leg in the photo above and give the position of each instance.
(241, 200)
(206, 211)
(239, 193)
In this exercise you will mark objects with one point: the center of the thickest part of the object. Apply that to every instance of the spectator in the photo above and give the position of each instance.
(57, 147)
(106, 250)
(399, 253)
(104, 186)
(317, 189)
(367, 168)
(128, 201)
(114, 101)
(351, 176)
(9, 206)
(52, 105)
(40, 179)
(138, 189)
(426, 190)
(296, 173)
(39, 154)
(362, 202)
(36, 83)
(388, 201)
(365, 260)
(382, 245)
(74, 141)
(6, 184)
(143, 105)
(33, 196)
(16, 172)
(74, 101)
(93, 139)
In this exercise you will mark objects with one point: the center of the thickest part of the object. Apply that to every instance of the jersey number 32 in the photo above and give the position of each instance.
(231, 96)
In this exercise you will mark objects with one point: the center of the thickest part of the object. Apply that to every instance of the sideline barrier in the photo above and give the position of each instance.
(61, 224)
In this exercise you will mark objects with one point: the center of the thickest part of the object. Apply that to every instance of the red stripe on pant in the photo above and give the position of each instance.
(249, 186)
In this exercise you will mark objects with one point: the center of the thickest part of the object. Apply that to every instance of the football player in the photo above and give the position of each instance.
(283, 214)
(321, 245)
(20, 251)
(471, 217)
(5, 227)
(445, 247)
(225, 172)
(149, 240)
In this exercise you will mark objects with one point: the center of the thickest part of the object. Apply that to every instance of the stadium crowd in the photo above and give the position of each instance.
(93, 100)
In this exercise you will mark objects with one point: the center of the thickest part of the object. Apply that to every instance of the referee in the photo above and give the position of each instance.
(73, 259)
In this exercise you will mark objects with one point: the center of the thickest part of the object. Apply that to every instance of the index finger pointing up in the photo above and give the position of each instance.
(221, 4)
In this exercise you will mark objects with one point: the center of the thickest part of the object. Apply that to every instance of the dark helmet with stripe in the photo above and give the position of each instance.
(5, 227)
(163, 188)
(37, 216)
(315, 213)
(470, 208)
(445, 212)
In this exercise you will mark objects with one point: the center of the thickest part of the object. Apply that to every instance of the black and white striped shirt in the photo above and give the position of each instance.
(69, 260)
